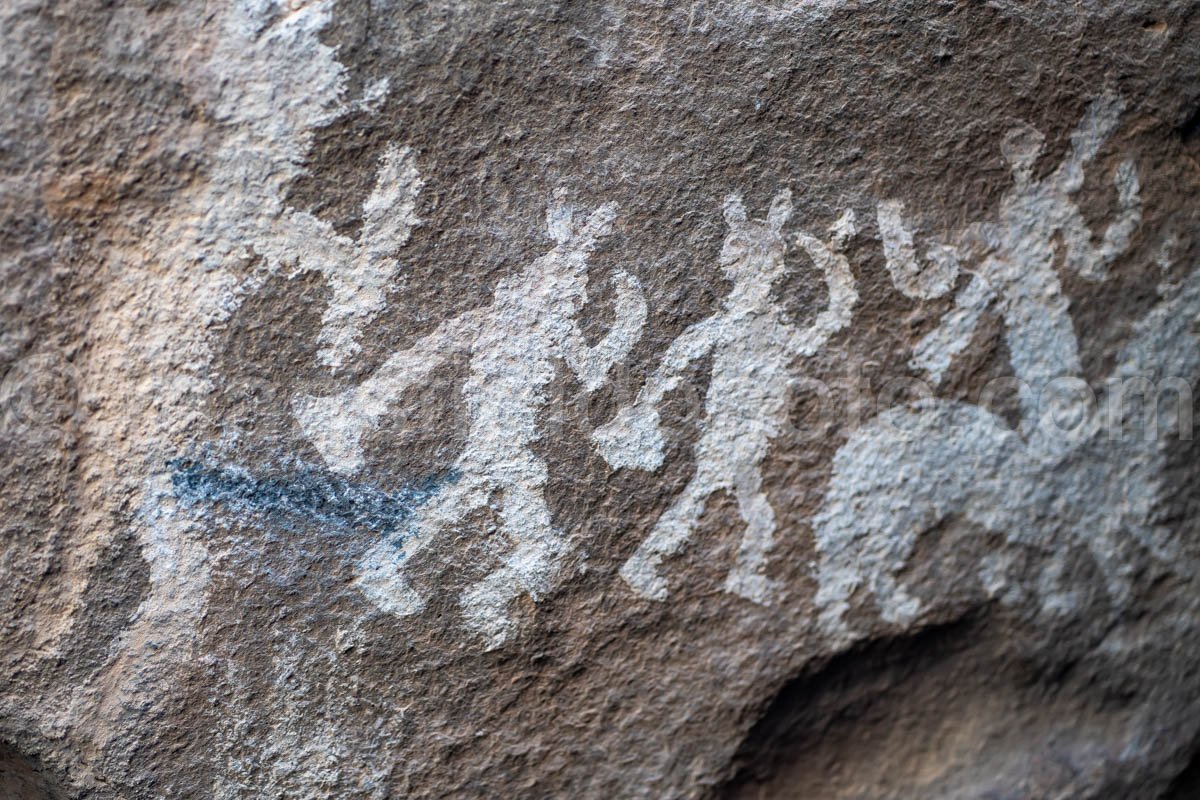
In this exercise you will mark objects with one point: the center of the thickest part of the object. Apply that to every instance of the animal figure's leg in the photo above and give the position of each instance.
(538, 550)
(672, 530)
(381, 569)
(897, 477)
(746, 578)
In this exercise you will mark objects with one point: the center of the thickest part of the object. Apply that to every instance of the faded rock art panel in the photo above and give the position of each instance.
(1018, 248)
(260, 227)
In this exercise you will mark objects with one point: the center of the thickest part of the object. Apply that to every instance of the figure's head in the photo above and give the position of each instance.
(1021, 147)
(754, 246)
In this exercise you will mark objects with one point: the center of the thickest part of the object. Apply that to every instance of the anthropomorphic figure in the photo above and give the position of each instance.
(913, 467)
(512, 345)
(1016, 275)
(752, 347)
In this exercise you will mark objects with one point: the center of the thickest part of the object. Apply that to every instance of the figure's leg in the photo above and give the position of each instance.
(381, 569)
(538, 550)
(672, 530)
(746, 578)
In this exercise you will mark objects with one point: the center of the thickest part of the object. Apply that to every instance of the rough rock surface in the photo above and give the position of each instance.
(738, 398)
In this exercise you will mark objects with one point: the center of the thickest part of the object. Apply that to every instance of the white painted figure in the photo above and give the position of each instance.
(358, 272)
(277, 85)
(752, 348)
(913, 467)
(512, 345)
(1017, 274)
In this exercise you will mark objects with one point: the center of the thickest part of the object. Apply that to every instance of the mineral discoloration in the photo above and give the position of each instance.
(307, 244)
(304, 493)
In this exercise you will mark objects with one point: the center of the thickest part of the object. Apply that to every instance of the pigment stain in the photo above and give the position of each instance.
(305, 493)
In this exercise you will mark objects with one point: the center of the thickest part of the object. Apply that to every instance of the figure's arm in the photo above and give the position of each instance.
(910, 277)
(938, 348)
(843, 295)
(933, 354)
(633, 438)
(1098, 123)
(406, 367)
(1085, 258)
(694, 343)
(591, 364)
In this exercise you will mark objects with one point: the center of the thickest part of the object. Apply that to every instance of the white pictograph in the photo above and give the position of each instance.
(1018, 247)
(900, 255)
(752, 348)
(1057, 481)
(357, 271)
(512, 345)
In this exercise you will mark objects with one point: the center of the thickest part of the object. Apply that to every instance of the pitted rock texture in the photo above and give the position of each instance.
(485, 399)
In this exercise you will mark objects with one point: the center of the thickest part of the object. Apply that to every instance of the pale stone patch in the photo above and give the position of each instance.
(307, 740)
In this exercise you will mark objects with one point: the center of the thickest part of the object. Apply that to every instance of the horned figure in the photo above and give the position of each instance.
(512, 345)
(752, 348)
(913, 467)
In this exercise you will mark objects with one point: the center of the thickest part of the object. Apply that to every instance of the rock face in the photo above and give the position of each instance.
(752, 399)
